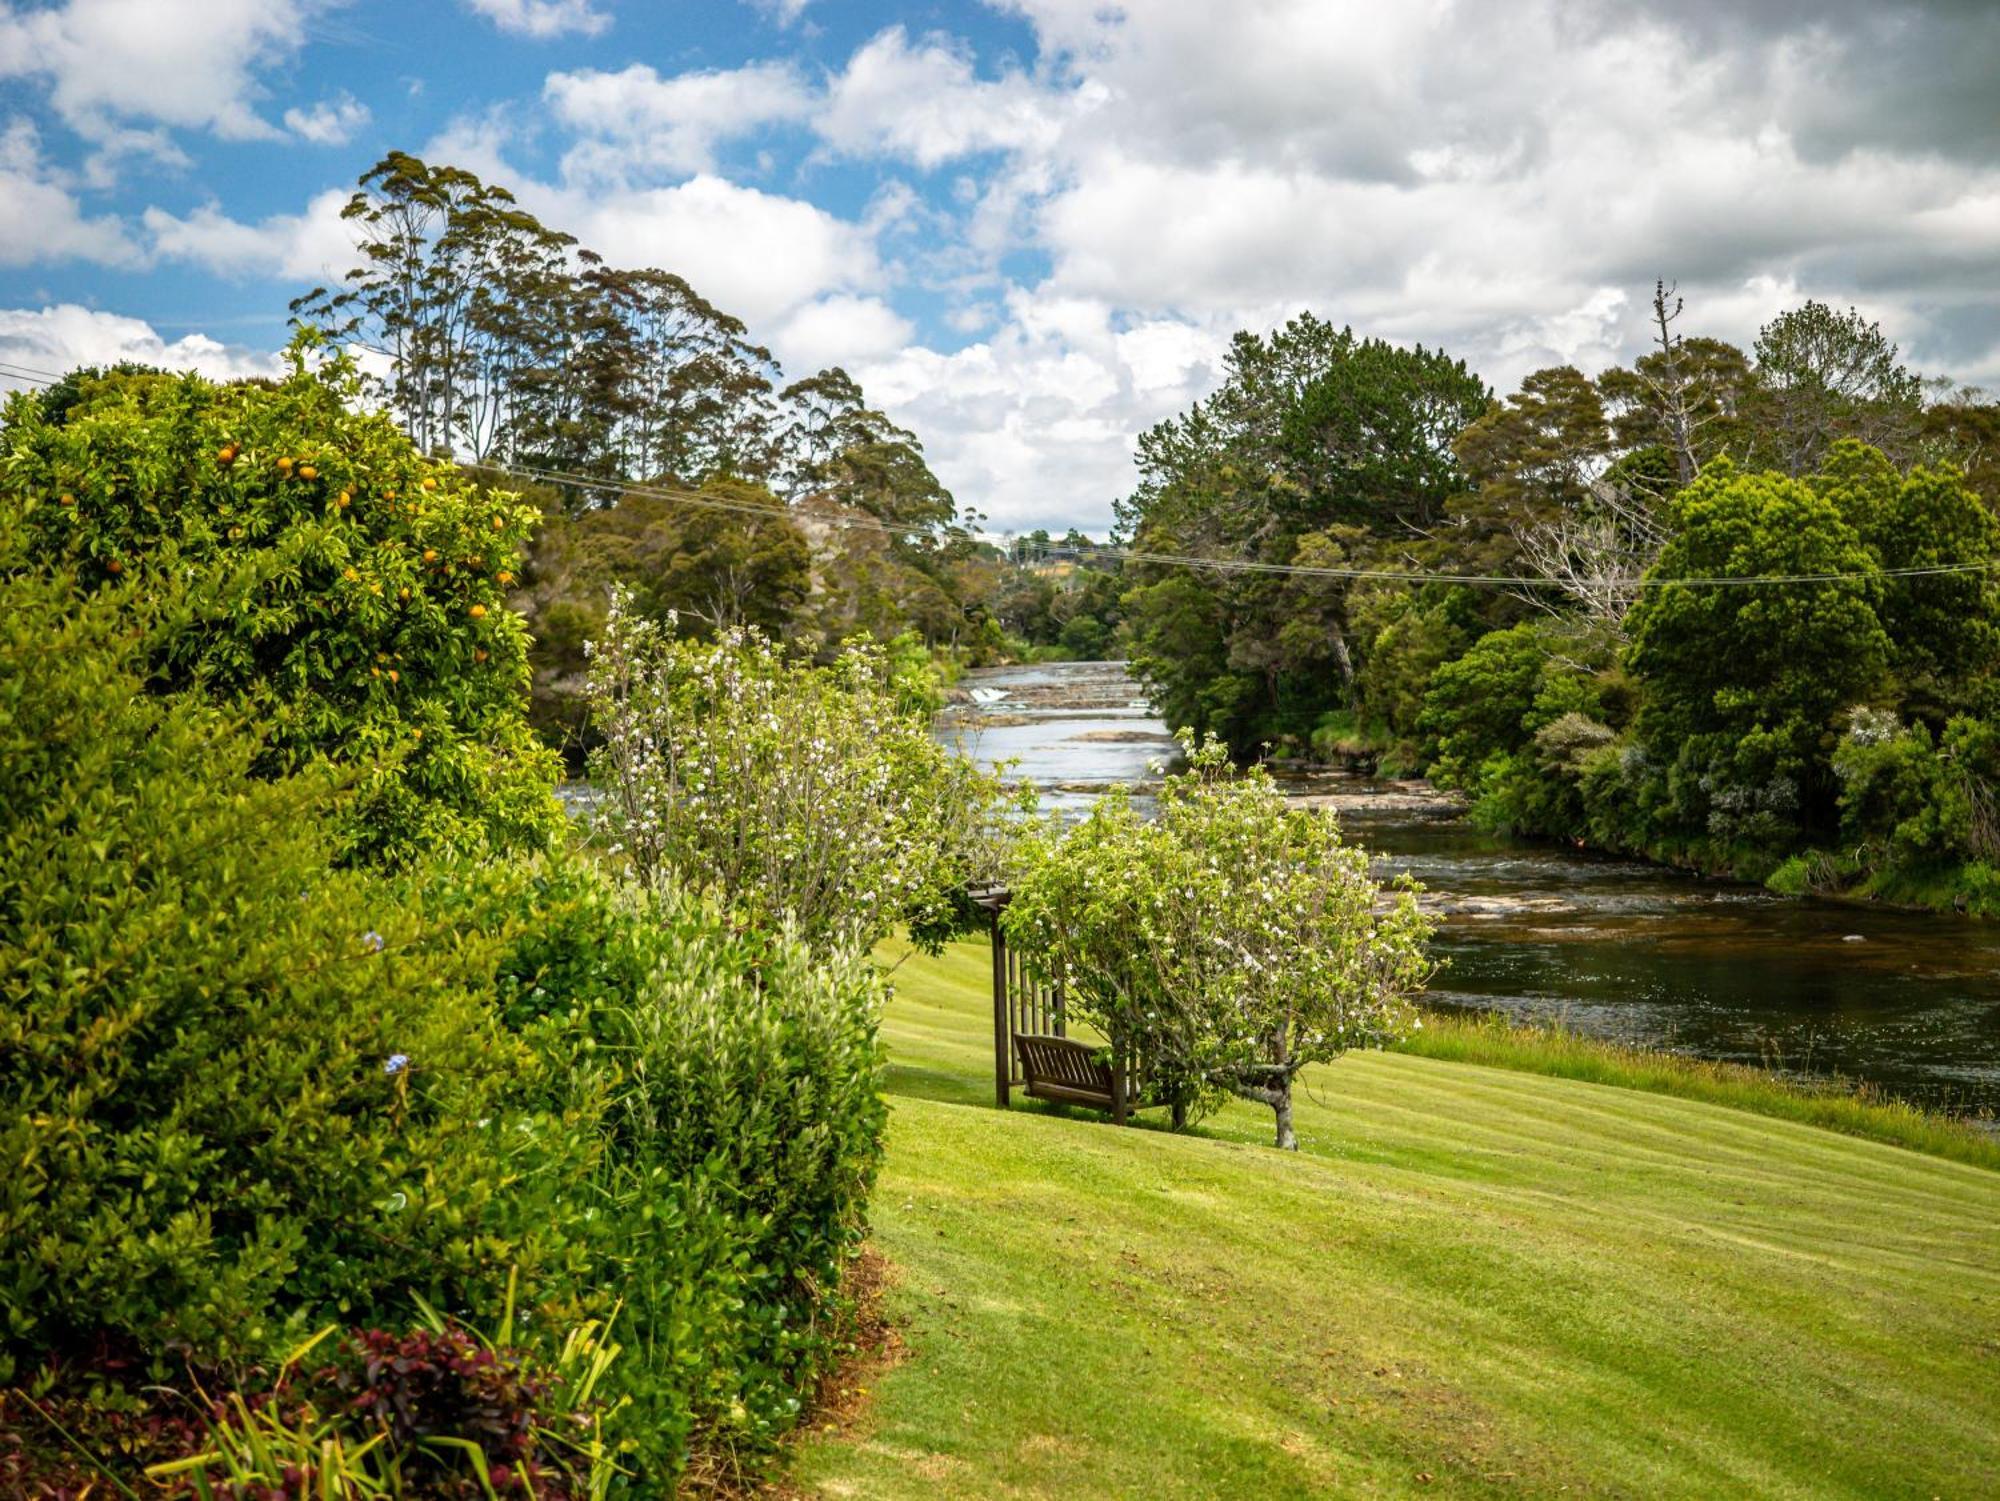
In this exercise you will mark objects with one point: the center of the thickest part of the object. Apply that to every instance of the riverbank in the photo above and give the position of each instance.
(1542, 933)
(1971, 889)
(1472, 1281)
(1853, 1109)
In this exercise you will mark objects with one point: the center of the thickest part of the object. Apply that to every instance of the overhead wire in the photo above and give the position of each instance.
(1232, 565)
(1095, 551)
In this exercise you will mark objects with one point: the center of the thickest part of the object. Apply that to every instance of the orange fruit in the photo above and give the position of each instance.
(402, 594)
(342, 499)
(504, 576)
(349, 574)
(284, 463)
(430, 555)
(499, 523)
(429, 483)
(393, 676)
(480, 655)
(226, 455)
(479, 612)
(68, 499)
(114, 566)
(306, 471)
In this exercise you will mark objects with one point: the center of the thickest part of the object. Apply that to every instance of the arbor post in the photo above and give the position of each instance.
(1003, 1066)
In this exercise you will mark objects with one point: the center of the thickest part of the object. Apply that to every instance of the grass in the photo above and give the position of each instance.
(1496, 1042)
(1472, 1281)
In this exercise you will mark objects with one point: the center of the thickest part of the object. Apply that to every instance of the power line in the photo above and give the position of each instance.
(1107, 551)
(1234, 565)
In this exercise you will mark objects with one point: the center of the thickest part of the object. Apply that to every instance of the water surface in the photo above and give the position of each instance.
(1909, 1002)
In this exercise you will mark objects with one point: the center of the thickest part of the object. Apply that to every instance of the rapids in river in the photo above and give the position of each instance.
(1908, 1002)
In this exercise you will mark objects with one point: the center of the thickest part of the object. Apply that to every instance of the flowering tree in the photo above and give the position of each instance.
(790, 791)
(1228, 943)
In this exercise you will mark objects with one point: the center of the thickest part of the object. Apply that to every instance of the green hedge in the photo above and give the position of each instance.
(735, 1076)
(248, 1091)
(241, 1093)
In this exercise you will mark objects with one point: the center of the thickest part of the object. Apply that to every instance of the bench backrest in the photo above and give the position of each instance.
(1064, 1063)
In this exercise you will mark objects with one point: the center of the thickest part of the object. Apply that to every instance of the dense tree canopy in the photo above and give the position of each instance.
(1599, 658)
(668, 452)
(1320, 449)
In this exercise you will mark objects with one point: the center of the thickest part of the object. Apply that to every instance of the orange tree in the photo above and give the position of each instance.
(350, 590)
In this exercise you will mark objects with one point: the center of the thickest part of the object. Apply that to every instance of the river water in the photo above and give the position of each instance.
(1905, 1001)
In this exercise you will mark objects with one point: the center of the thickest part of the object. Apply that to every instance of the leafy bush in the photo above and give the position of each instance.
(1923, 800)
(436, 1413)
(791, 792)
(250, 1092)
(1480, 705)
(352, 589)
(736, 1077)
(1411, 633)
(240, 1094)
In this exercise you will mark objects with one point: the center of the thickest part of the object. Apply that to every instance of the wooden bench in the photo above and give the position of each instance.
(1067, 1072)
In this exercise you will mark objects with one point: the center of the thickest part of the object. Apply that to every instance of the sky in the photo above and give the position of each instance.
(1029, 227)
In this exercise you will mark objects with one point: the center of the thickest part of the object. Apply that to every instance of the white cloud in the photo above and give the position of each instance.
(1037, 425)
(543, 19)
(331, 122)
(637, 124)
(179, 63)
(60, 338)
(926, 104)
(41, 219)
(317, 246)
(1504, 181)
(757, 255)
(839, 330)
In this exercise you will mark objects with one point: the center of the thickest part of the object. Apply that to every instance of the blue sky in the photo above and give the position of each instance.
(1029, 227)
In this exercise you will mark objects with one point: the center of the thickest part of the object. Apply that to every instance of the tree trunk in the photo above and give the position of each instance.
(1279, 1097)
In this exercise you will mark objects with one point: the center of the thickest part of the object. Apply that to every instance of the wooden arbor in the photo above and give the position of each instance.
(1032, 1048)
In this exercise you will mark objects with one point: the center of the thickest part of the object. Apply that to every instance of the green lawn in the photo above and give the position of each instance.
(1471, 1280)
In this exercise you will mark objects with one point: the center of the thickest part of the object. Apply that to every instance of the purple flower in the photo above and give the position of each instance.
(395, 1063)
(374, 941)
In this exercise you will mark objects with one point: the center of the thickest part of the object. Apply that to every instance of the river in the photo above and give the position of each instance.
(1908, 1002)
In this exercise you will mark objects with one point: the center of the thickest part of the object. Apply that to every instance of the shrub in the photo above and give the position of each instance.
(352, 589)
(1923, 800)
(435, 1413)
(240, 1094)
(790, 792)
(736, 1078)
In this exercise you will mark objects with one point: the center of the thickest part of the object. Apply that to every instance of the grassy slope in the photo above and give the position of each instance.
(1471, 1280)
